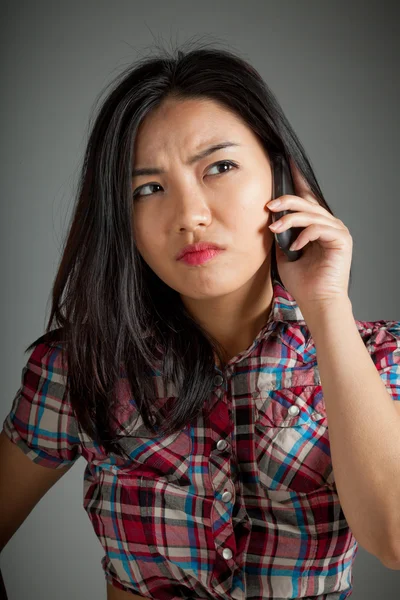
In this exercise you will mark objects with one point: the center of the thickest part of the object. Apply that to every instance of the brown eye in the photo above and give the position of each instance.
(224, 162)
(137, 193)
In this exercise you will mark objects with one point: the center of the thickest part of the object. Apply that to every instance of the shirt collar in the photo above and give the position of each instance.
(284, 306)
(284, 309)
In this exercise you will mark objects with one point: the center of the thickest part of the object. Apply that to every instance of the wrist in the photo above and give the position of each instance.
(321, 315)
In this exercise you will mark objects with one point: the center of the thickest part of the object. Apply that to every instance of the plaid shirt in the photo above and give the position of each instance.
(240, 504)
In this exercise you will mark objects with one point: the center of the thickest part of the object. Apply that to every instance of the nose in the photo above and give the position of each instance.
(191, 210)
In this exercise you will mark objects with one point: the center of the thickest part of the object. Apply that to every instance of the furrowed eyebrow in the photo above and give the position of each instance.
(192, 159)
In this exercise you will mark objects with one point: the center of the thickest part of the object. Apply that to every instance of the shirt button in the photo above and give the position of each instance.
(218, 380)
(114, 470)
(222, 444)
(227, 553)
(226, 497)
(294, 410)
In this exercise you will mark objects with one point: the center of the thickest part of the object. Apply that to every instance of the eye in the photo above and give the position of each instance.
(137, 193)
(224, 162)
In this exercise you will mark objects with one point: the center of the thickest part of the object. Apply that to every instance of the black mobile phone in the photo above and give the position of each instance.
(283, 184)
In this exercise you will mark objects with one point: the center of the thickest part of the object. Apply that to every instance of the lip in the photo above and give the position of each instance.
(200, 247)
(198, 258)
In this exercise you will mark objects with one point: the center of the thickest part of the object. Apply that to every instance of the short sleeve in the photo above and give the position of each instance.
(382, 339)
(41, 420)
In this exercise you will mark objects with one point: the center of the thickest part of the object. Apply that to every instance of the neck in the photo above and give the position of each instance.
(235, 319)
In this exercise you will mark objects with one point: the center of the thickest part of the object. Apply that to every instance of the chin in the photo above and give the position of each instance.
(209, 290)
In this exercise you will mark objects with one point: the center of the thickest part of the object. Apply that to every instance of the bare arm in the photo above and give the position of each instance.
(3, 593)
(22, 484)
(114, 593)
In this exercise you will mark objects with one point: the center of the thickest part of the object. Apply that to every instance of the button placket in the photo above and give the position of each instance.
(221, 518)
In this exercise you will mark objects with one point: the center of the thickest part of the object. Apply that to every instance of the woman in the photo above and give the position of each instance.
(199, 384)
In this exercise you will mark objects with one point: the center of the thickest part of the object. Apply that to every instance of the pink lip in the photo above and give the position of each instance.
(200, 257)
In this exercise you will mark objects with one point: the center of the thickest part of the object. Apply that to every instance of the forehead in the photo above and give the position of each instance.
(189, 123)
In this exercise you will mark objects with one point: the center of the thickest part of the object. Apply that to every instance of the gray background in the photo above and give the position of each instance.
(334, 68)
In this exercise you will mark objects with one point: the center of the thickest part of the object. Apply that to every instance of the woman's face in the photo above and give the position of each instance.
(193, 202)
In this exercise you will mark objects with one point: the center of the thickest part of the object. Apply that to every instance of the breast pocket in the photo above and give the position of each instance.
(165, 457)
(292, 441)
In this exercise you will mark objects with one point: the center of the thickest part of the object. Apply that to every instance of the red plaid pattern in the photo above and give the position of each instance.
(240, 504)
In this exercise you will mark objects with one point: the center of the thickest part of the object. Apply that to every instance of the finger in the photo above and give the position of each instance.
(289, 202)
(304, 219)
(325, 234)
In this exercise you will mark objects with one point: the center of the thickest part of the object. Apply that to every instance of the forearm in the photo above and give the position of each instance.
(364, 431)
(3, 593)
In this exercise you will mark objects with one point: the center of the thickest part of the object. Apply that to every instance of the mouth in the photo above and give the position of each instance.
(199, 257)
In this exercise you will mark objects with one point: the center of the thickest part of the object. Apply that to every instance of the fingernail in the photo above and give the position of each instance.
(274, 203)
(276, 226)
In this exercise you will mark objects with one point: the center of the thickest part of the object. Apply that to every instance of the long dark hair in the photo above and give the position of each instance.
(109, 309)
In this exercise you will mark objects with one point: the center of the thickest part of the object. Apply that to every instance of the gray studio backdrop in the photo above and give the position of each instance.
(334, 69)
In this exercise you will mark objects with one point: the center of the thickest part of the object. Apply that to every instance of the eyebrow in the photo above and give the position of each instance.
(206, 152)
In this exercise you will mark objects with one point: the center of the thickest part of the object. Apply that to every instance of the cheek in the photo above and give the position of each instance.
(151, 245)
(250, 220)
(248, 203)
(144, 233)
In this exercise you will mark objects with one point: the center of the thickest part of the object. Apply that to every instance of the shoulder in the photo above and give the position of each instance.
(46, 363)
(48, 350)
(382, 338)
(41, 419)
